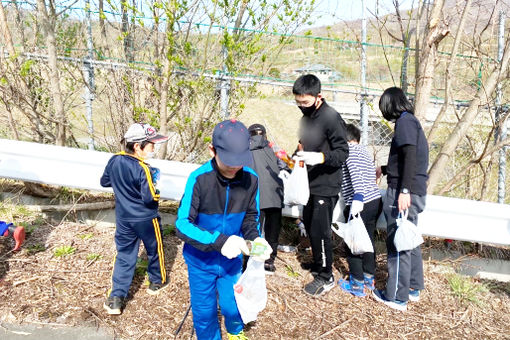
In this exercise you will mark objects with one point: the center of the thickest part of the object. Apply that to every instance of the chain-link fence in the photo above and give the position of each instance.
(129, 62)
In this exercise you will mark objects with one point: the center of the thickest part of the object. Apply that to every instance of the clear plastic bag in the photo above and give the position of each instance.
(407, 236)
(355, 235)
(296, 190)
(250, 291)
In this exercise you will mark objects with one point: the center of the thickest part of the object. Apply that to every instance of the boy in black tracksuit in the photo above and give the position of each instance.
(136, 211)
(322, 136)
(265, 164)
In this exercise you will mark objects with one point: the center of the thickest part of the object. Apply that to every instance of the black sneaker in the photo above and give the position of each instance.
(310, 266)
(155, 288)
(269, 268)
(319, 286)
(114, 305)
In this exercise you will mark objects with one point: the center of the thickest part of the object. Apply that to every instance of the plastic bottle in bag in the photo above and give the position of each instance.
(281, 154)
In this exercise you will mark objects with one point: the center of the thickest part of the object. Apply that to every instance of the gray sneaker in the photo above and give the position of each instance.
(319, 286)
(114, 305)
(156, 288)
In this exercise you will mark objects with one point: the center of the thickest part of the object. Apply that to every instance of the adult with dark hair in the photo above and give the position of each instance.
(265, 164)
(407, 188)
(322, 137)
(361, 196)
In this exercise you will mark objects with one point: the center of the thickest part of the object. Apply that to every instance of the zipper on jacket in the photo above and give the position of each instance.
(221, 259)
(226, 206)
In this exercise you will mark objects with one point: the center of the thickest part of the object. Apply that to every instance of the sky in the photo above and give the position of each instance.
(334, 11)
(328, 12)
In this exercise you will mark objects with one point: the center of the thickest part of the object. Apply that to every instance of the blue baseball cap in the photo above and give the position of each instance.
(232, 143)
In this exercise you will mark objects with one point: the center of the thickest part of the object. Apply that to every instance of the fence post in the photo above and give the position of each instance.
(88, 70)
(501, 126)
(363, 104)
(224, 86)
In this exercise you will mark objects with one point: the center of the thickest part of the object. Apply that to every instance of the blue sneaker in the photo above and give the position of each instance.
(352, 286)
(369, 281)
(414, 295)
(395, 304)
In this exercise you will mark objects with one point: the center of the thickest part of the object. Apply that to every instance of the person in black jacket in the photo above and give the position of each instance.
(407, 189)
(324, 144)
(136, 213)
(265, 164)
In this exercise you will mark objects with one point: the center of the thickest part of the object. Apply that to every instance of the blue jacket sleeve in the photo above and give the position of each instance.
(147, 189)
(187, 228)
(105, 179)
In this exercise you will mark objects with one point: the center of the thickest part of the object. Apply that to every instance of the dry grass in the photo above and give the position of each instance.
(36, 286)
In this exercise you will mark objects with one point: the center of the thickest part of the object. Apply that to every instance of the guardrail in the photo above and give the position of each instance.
(444, 217)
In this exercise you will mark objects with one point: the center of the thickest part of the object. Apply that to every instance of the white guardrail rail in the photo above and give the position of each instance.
(444, 217)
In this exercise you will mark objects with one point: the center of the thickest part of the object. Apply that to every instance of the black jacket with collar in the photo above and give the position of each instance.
(324, 131)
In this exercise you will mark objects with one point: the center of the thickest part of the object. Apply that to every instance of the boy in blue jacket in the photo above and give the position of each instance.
(136, 212)
(219, 211)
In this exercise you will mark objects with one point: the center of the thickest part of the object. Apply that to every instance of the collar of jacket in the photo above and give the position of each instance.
(236, 180)
(124, 153)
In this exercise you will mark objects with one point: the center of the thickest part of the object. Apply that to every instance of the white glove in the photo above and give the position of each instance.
(311, 158)
(234, 246)
(356, 207)
(284, 175)
(261, 242)
(302, 230)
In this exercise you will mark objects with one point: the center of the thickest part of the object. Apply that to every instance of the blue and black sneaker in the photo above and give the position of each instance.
(414, 295)
(352, 286)
(395, 304)
(369, 281)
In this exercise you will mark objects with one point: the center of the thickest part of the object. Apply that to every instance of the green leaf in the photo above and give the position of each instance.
(64, 251)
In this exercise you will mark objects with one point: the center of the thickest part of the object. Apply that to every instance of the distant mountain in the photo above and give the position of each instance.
(481, 15)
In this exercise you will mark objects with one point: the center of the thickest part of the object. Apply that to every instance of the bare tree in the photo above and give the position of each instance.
(48, 17)
(435, 31)
(460, 130)
(449, 70)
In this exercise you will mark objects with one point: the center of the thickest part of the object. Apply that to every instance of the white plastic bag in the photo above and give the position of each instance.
(407, 236)
(296, 190)
(250, 291)
(355, 235)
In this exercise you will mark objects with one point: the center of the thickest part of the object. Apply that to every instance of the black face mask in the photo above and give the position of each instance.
(308, 110)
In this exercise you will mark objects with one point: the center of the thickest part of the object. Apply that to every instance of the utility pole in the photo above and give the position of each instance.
(501, 130)
(88, 70)
(363, 104)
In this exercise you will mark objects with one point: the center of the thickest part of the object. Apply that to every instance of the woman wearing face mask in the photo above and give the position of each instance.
(136, 212)
(407, 189)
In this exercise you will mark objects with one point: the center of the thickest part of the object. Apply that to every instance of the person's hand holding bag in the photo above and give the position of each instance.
(356, 207)
(261, 250)
(311, 158)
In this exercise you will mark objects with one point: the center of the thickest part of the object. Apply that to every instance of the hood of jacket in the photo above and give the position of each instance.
(258, 142)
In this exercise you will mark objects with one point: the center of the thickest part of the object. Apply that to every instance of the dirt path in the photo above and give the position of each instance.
(37, 286)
